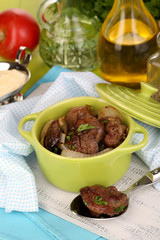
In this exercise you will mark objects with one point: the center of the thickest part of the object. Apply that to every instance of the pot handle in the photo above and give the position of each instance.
(27, 134)
(135, 147)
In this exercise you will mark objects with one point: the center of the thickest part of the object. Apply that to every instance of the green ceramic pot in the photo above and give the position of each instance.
(71, 174)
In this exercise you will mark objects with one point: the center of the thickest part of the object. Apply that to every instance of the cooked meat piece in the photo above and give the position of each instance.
(87, 133)
(84, 144)
(52, 136)
(97, 129)
(74, 143)
(104, 200)
(115, 131)
(112, 140)
(88, 143)
(110, 123)
(76, 113)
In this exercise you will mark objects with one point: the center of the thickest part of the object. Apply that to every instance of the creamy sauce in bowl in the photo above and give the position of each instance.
(10, 80)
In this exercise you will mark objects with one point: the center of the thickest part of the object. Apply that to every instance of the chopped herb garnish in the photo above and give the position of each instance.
(61, 128)
(118, 209)
(68, 138)
(71, 133)
(85, 203)
(72, 147)
(55, 150)
(84, 127)
(99, 200)
(106, 121)
(100, 148)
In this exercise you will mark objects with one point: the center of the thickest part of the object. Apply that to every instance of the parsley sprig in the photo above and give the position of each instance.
(99, 200)
(118, 209)
(84, 127)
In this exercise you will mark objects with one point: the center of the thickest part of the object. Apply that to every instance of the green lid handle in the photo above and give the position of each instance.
(147, 90)
(27, 134)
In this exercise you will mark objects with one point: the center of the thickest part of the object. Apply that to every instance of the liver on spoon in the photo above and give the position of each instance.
(100, 202)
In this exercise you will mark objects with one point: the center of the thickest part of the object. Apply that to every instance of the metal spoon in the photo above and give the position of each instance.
(150, 178)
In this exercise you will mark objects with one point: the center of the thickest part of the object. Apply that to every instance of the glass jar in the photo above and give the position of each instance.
(153, 66)
(127, 39)
(69, 37)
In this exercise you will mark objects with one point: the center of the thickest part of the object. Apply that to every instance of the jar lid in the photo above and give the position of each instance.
(137, 104)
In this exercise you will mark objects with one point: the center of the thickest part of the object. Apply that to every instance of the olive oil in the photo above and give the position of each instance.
(123, 50)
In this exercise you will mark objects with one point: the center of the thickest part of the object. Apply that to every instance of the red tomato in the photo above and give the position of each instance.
(17, 28)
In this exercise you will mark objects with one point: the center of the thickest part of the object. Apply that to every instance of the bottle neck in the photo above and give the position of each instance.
(128, 2)
(133, 10)
(129, 6)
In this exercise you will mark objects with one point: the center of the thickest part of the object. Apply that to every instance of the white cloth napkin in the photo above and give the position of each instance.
(17, 184)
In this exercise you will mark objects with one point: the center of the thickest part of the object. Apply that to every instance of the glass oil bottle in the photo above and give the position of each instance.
(127, 39)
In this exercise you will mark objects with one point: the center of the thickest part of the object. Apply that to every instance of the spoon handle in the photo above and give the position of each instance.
(148, 179)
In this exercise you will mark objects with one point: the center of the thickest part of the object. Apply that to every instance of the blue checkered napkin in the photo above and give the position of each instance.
(69, 85)
(17, 184)
(50, 76)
